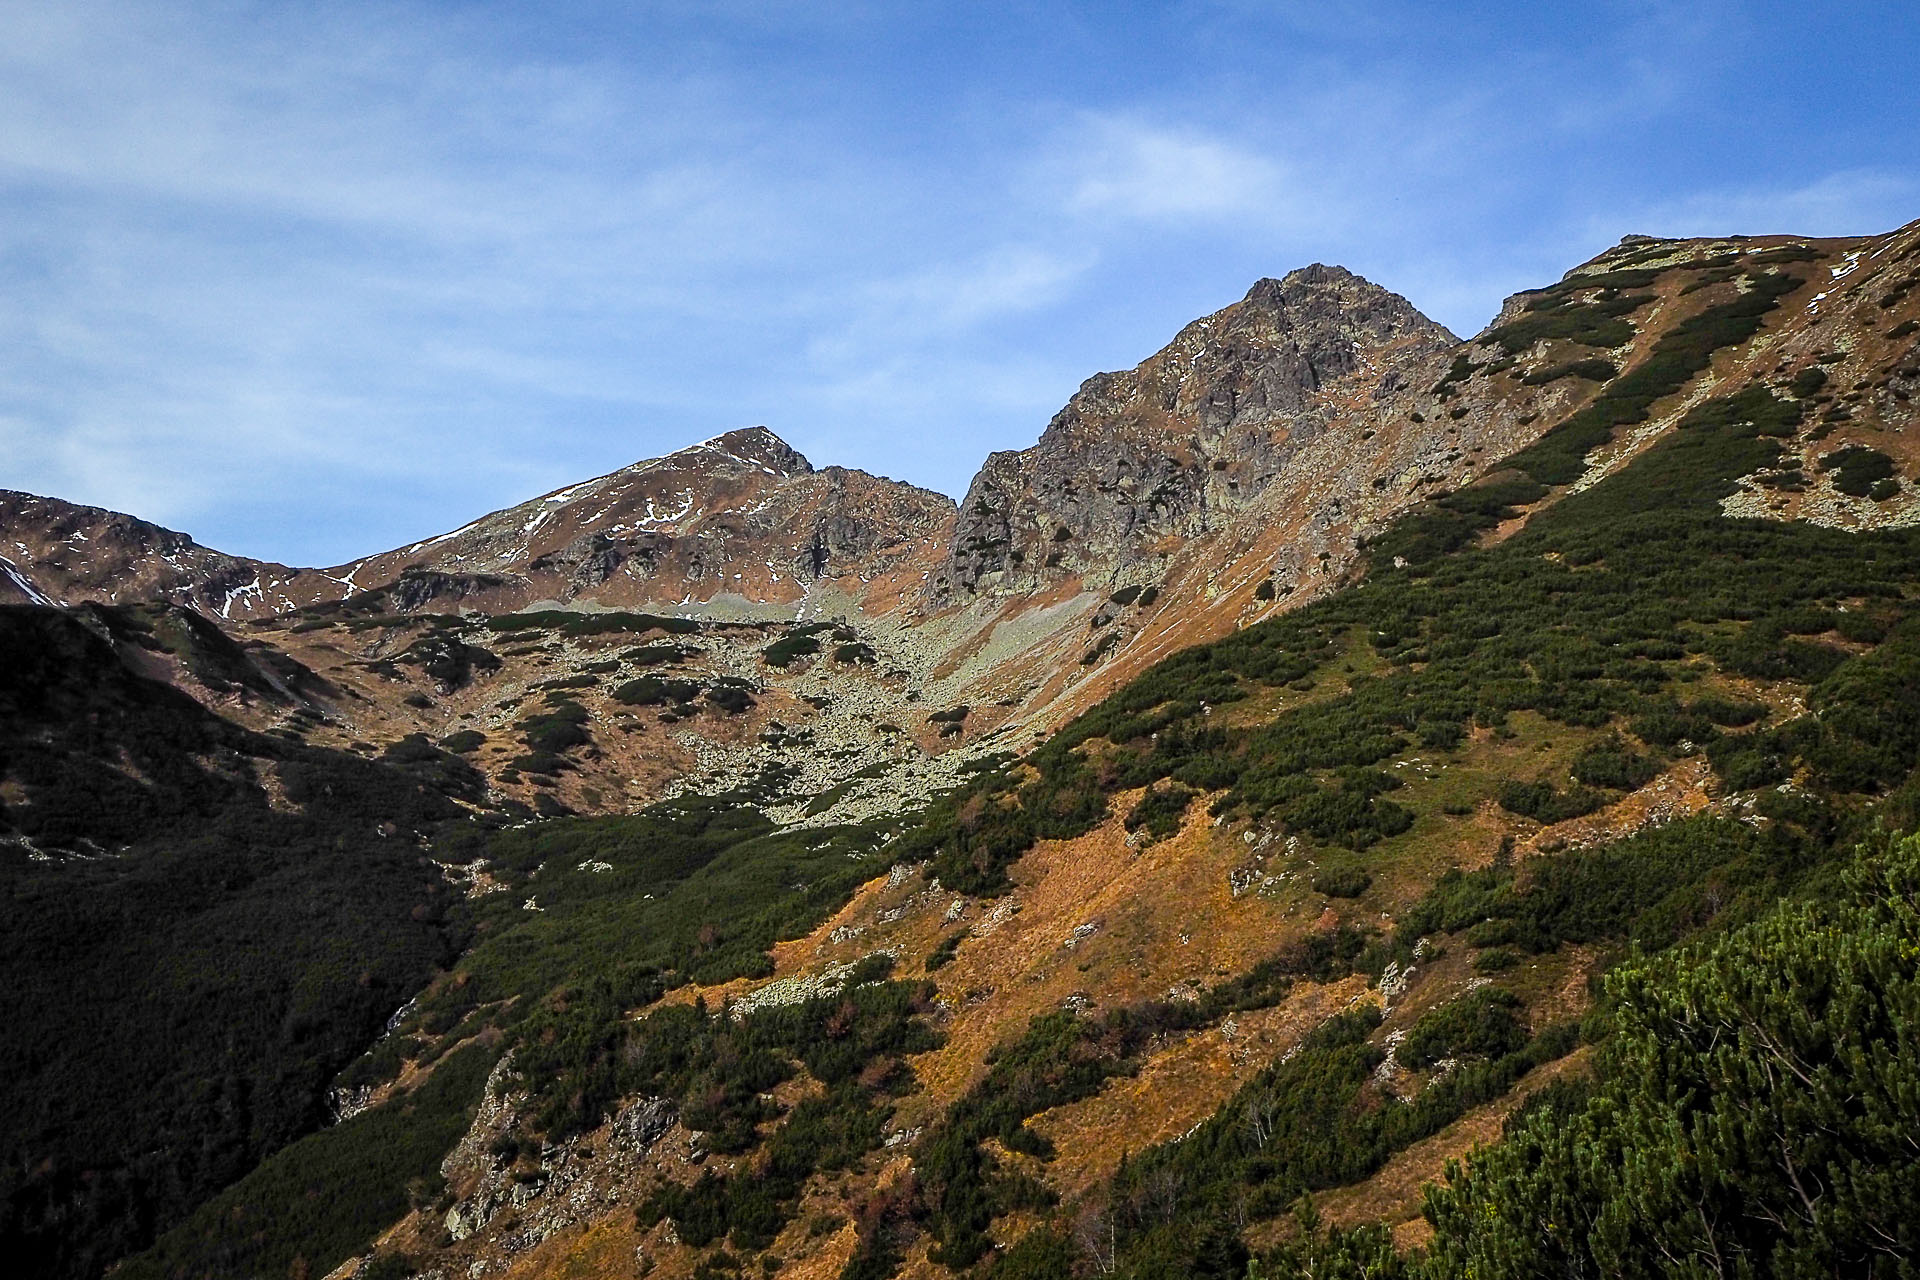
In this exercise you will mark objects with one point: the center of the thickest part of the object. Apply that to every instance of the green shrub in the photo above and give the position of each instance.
(1495, 960)
(651, 691)
(790, 649)
(1611, 763)
(556, 729)
(1341, 882)
(798, 643)
(657, 655)
(942, 955)
(1160, 810)
(731, 696)
(568, 623)
(1547, 804)
(464, 742)
(1856, 470)
(1482, 1024)
(1807, 382)
(1591, 370)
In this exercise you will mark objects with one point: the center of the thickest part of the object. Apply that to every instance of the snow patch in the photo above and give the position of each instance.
(19, 580)
(240, 593)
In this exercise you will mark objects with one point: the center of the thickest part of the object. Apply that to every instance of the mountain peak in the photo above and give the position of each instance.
(761, 448)
(1314, 273)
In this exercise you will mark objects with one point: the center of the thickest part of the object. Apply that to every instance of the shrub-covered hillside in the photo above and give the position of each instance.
(201, 927)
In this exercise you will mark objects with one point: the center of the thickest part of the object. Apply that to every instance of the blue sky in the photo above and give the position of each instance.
(313, 280)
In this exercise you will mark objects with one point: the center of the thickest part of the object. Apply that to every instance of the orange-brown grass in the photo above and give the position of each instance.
(1393, 1195)
(1165, 918)
(599, 1250)
(1181, 1084)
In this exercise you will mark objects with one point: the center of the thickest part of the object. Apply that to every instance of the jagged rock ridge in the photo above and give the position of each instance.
(1179, 445)
(64, 553)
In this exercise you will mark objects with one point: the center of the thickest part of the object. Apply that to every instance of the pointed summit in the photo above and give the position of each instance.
(760, 447)
(1150, 458)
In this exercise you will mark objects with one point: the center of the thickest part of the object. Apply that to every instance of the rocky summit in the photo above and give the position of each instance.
(1138, 464)
(1346, 801)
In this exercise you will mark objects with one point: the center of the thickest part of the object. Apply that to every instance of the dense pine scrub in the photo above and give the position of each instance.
(1753, 1111)
(610, 622)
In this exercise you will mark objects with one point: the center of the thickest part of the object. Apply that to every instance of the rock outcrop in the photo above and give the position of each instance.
(1177, 447)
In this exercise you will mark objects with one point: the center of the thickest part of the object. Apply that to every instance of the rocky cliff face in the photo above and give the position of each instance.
(1176, 448)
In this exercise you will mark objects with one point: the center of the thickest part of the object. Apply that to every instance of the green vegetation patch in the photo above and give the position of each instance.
(559, 728)
(652, 691)
(1558, 313)
(1856, 469)
(569, 623)
(1487, 1023)
(1594, 370)
(658, 655)
(447, 659)
(1716, 1090)
(801, 642)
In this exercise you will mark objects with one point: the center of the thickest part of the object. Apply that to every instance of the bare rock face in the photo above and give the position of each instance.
(1178, 446)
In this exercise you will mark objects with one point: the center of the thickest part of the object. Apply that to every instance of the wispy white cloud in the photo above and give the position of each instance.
(1134, 169)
